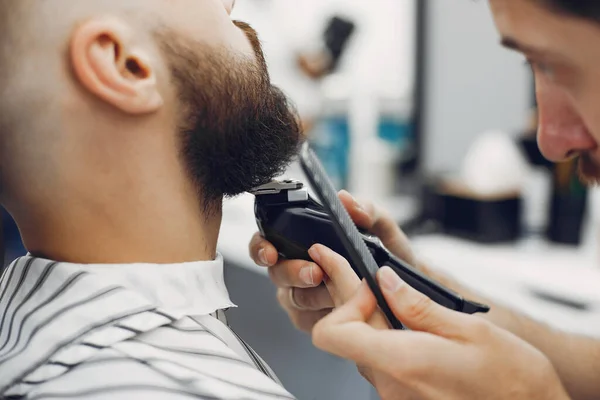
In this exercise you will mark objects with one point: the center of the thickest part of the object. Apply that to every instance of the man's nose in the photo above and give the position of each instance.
(562, 132)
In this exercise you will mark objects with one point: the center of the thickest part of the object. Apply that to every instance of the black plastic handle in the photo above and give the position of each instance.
(294, 228)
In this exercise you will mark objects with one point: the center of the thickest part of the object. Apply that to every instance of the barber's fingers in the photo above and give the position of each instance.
(302, 318)
(386, 229)
(359, 308)
(305, 321)
(296, 273)
(379, 223)
(346, 333)
(417, 311)
(262, 252)
(284, 273)
(310, 299)
(362, 215)
(341, 280)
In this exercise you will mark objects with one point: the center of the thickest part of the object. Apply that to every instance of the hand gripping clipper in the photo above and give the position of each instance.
(293, 222)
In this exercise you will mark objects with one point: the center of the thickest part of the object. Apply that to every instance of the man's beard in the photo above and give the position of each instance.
(589, 171)
(237, 131)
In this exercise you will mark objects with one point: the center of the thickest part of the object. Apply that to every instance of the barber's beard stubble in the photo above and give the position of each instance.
(237, 131)
(589, 171)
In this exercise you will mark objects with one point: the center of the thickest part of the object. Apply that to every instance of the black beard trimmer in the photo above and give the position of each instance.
(293, 222)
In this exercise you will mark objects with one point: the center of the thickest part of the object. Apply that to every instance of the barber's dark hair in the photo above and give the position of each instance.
(589, 9)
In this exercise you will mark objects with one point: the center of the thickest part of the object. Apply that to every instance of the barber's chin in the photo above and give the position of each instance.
(589, 171)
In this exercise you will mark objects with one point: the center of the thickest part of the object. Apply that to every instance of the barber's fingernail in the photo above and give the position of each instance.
(313, 252)
(355, 202)
(389, 280)
(262, 257)
(306, 274)
(359, 205)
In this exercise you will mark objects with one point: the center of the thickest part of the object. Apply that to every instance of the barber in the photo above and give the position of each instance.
(448, 355)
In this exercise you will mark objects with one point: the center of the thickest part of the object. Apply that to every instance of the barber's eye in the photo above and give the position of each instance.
(545, 69)
(542, 68)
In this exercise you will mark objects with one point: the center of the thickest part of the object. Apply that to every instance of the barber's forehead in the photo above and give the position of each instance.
(526, 19)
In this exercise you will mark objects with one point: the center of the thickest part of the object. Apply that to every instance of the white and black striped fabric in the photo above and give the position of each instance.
(135, 331)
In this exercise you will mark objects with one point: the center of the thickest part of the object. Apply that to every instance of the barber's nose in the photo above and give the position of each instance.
(559, 140)
(562, 132)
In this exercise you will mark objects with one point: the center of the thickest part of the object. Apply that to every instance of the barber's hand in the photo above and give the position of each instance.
(300, 291)
(446, 355)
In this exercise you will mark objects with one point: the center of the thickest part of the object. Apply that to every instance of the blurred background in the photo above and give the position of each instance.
(413, 104)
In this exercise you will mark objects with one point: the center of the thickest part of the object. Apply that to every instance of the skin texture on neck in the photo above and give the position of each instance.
(159, 233)
(146, 211)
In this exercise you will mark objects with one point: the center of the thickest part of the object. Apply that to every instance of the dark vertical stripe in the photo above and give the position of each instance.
(210, 331)
(252, 356)
(7, 356)
(48, 301)
(87, 329)
(8, 279)
(259, 360)
(270, 373)
(4, 271)
(232, 336)
(47, 270)
(15, 291)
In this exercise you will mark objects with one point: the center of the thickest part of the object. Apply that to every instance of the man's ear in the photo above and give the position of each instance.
(112, 64)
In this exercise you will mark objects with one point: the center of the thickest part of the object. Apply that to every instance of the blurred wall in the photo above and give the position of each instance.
(472, 84)
(379, 59)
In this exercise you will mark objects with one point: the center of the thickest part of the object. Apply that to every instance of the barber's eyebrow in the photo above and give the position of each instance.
(513, 44)
(536, 52)
(529, 50)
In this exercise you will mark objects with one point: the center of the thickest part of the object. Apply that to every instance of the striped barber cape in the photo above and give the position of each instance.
(131, 331)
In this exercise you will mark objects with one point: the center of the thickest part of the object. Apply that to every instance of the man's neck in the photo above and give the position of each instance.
(168, 229)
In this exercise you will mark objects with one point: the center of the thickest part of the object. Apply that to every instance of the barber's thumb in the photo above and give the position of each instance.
(415, 310)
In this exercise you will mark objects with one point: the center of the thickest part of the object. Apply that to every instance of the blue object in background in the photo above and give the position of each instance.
(396, 132)
(12, 238)
(331, 142)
